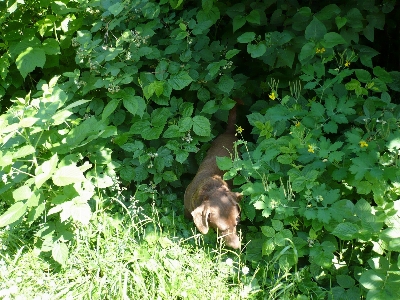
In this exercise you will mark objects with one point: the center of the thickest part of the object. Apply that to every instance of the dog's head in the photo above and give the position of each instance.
(220, 211)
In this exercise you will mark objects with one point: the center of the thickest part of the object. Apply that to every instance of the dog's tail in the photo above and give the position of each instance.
(230, 128)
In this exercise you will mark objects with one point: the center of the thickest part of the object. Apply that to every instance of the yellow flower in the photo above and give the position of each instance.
(239, 129)
(297, 124)
(311, 148)
(320, 50)
(273, 96)
(347, 64)
(363, 144)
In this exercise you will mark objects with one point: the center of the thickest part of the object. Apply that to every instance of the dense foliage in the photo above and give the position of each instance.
(95, 94)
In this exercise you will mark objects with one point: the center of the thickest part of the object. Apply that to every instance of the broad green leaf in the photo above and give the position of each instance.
(307, 52)
(14, 213)
(180, 80)
(44, 171)
(29, 59)
(340, 22)
(207, 5)
(231, 53)
(225, 84)
(81, 212)
(371, 280)
(238, 22)
(110, 108)
(352, 85)
(51, 46)
(331, 39)
(345, 281)
(60, 252)
(346, 231)
(201, 126)
(22, 193)
(246, 37)
(24, 151)
(256, 50)
(363, 75)
(328, 12)
(382, 74)
(315, 31)
(116, 8)
(224, 163)
(253, 17)
(67, 175)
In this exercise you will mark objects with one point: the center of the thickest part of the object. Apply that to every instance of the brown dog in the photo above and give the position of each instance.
(208, 198)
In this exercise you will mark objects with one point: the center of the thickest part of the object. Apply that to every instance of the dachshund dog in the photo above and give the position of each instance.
(208, 198)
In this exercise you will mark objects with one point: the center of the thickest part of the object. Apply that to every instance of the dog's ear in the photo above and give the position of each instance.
(238, 196)
(201, 217)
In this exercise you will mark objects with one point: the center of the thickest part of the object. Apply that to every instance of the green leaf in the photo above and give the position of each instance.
(345, 281)
(45, 170)
(231, 53)
(180, 80)
(201, 126)
(256, 50)
(60, 252)
(116, 8)
(51, 46)
(331, 39)
(253, 17)
(110, 108)
(67, 175)
(29, 59)
(246, 37)
(81, 212)
(382, 74)
(340, 22)
(371, 280)
(22, 193)
(14, 213)
(225, 84)
(363, 75)
(315, 31)
(224, 163)
(346, 231)
(238, 22)
(24, 151)
(352, 85)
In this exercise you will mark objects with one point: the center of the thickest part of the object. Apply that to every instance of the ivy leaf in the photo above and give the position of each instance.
(180, 80)
(201, 126)
(29, 59)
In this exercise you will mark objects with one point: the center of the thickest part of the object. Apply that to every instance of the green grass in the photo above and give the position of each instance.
(125, 258)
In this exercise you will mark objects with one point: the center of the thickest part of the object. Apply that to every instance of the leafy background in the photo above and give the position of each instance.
(99, 93)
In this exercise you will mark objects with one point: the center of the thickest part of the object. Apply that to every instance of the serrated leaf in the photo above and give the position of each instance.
(346, 231)
(371, 280)
(180, 80)
(45, 170)
(24, 151)
(345, 281)
(201, 126)
(109, 109)
(29, 59)
(363, 75)
(225, 84)
(67, 175)
(224, 163)
(14, 213)
(382, 74)
(268, 231)
(60, 252)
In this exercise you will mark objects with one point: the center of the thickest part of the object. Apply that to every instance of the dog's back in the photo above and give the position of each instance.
(209, 195)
